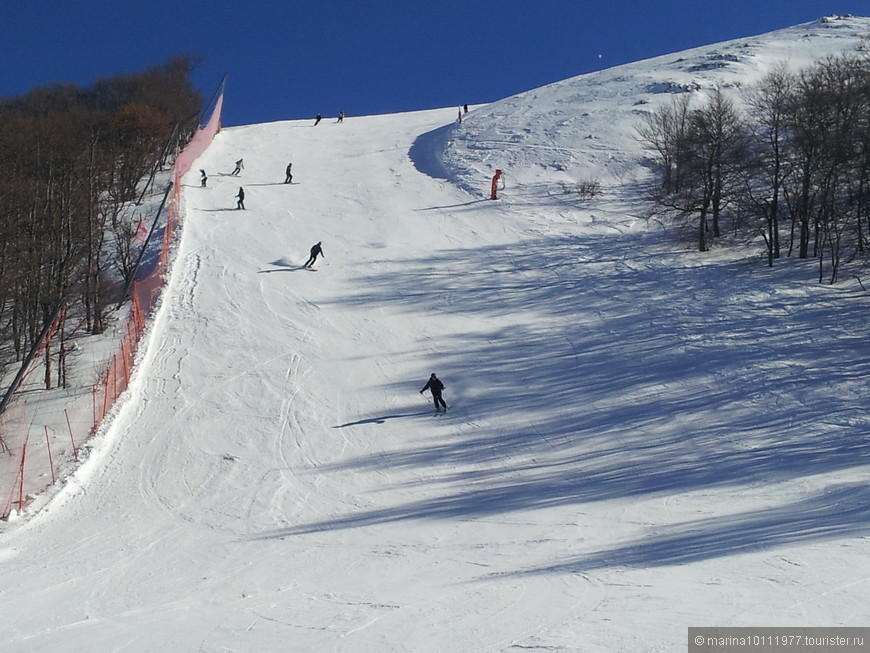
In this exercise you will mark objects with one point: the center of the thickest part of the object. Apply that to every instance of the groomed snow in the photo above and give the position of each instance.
(642, 438)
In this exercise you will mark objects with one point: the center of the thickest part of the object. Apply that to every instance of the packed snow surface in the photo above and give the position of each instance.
(642, 438)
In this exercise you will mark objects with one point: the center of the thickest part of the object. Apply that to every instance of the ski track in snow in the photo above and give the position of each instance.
(641, 438)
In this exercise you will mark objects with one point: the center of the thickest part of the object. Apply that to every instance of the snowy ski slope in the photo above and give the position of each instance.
(642, 438)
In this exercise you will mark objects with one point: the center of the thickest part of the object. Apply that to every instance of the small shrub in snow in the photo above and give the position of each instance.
(586, 189)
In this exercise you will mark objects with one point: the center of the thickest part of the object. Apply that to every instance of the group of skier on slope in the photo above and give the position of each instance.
(433, 384)
(316, 249)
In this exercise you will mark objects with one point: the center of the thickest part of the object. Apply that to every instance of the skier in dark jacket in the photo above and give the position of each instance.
(241, 196)
(288, 174)
(435, 386)
(315, 250)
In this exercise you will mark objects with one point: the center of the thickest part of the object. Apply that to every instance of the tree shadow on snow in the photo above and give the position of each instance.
(841, 511)
(461, 205)
(597, 368)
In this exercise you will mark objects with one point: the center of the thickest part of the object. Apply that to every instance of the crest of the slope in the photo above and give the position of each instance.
(585, 128)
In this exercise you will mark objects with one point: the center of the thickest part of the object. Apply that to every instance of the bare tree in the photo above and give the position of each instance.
(666, 130)
(72, 159)
(833, 94)
(768, 104)
(719, 145)
(702, 151)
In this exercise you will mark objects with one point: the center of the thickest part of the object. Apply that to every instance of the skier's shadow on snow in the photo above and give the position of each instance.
(379, 420)
(454, 206)
(282, 265)
(295, 268)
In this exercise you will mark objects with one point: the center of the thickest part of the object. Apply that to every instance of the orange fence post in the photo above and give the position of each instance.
(50, 459)
(71, 438)
(21, 477)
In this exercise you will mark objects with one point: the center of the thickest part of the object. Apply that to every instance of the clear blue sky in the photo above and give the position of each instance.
(290, 59)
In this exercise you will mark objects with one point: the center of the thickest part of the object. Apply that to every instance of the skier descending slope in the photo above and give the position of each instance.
(315, 250)
(435, 386)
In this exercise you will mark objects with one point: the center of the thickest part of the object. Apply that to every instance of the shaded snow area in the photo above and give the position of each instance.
(641, 438)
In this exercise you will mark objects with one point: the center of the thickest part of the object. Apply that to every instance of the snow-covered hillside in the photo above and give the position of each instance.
(585, 127)
(641, 438)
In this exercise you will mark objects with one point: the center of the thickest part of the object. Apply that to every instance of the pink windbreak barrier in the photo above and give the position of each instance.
(200, 142)
(35, 423)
